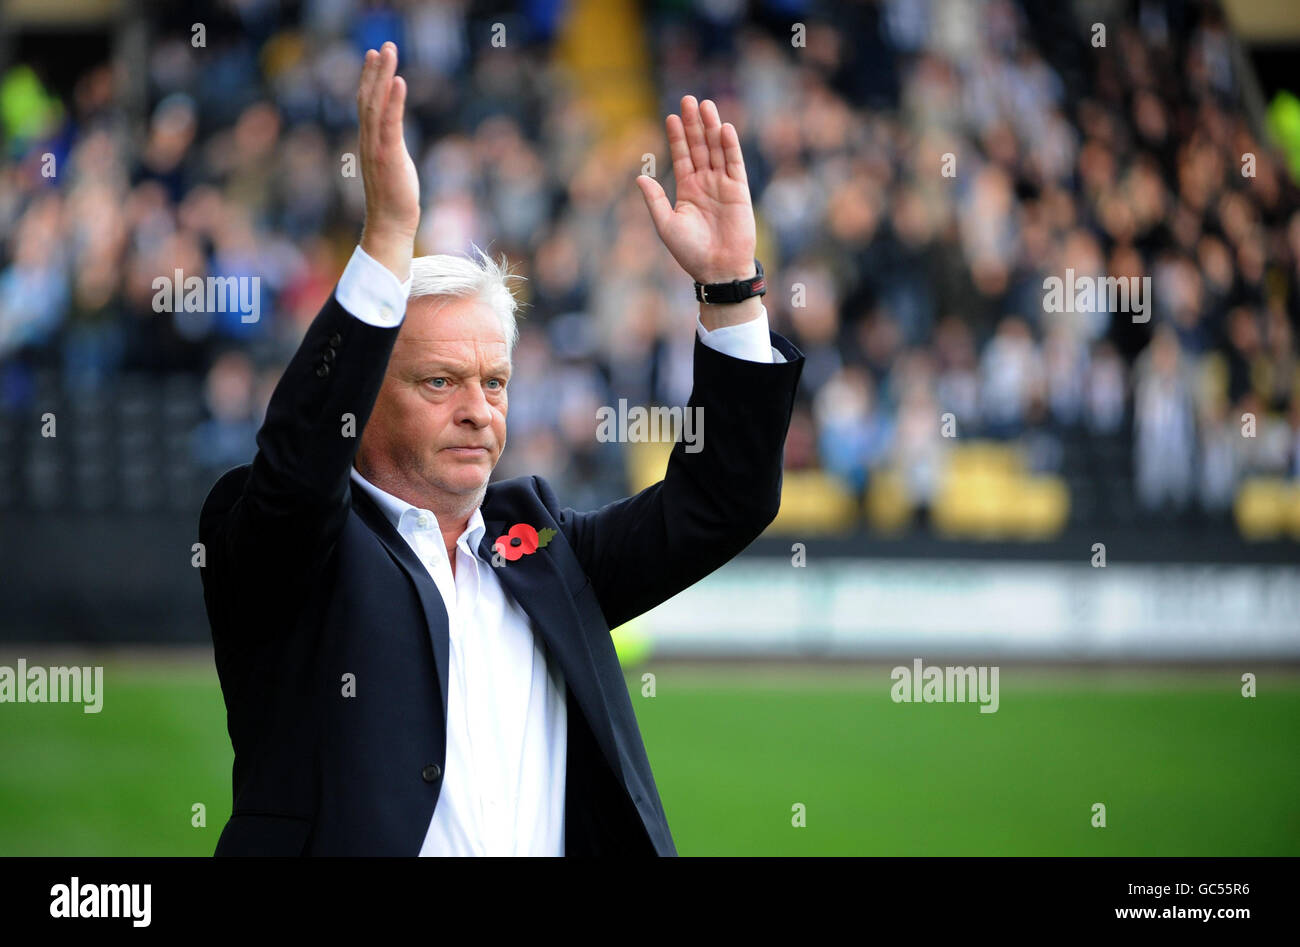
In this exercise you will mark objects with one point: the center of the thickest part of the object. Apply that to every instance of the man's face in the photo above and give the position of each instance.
(439, 423)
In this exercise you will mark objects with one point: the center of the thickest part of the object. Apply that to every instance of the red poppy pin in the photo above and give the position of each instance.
(522, 540)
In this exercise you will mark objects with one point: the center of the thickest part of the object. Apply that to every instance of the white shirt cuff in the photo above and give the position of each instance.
(371, 292)
(750, 340)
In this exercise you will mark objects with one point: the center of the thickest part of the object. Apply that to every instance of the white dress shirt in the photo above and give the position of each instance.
(503, 780)
(503, 786)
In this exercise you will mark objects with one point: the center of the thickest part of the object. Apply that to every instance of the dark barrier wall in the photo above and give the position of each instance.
(69, 577)
(127, 578)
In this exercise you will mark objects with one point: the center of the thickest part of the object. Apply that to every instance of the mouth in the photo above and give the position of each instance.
(467, 451)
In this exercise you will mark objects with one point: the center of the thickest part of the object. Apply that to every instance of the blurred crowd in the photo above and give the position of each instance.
(918, 168)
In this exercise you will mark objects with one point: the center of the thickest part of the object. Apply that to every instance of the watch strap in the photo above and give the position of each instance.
(734, 291)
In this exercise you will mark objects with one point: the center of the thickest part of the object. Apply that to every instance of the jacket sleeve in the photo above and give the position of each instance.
(642, 550)
(266, 536)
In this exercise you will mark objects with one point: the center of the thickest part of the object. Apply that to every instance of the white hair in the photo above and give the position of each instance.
(460, 276)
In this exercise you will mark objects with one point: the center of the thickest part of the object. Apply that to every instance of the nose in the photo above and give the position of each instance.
(472, 407)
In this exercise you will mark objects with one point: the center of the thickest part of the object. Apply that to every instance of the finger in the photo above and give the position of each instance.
(383, 84)
(656, 201)
(387, 61)
(694, 129)
(735, 158)
(678, 149)
(712, 133)
(368, 63)
(390, 130)
(369, 66)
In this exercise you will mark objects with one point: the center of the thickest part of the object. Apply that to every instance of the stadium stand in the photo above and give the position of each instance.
(919, 295)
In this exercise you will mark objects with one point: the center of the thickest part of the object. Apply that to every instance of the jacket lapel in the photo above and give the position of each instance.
(537, 584)
(435, 612)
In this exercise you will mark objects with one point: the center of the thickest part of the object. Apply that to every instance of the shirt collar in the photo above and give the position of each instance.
(405, 516)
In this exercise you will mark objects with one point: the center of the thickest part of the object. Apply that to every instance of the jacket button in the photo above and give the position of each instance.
(327, 355)
(336, 340)
(322, 370)
(431, 773)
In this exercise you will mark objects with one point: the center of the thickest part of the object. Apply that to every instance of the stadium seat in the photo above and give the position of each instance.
(1263, 507)
(889, 505)
(814, 502)
(985, 493)
(647, 463)
(1040, 510)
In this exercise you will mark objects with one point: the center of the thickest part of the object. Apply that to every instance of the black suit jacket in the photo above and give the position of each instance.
(306, 581)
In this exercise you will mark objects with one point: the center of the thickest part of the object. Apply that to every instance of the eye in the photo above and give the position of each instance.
(434, 382)
(495, 384)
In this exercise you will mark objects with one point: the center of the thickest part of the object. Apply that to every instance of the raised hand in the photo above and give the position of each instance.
(392, 187)
(710, 232)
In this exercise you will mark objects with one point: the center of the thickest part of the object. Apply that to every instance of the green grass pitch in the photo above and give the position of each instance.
(1182, 762)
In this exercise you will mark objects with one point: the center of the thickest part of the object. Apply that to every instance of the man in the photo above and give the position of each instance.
(414, 662)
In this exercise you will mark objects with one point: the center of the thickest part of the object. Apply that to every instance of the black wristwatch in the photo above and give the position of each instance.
(735, 291)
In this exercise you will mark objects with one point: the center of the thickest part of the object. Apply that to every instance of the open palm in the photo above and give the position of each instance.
(710, 232)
